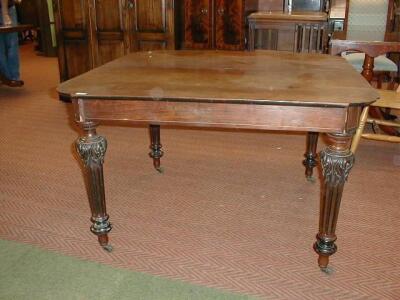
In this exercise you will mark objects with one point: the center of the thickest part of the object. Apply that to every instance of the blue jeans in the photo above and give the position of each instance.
(9, 54)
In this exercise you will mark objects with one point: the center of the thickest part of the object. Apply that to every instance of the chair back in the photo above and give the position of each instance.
(367, 20)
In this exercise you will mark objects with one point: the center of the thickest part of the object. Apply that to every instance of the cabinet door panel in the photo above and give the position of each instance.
(150, 16)
(72, 14)
(153, 24)
(109, 20)
(72, 38)
(77, 56)
(229, 21)
(108, 15)
(109, 50)
(198, 24)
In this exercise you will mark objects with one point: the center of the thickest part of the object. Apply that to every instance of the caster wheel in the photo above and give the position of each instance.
(311, 179)
(327, 270)
(108, 248)
(160, 170)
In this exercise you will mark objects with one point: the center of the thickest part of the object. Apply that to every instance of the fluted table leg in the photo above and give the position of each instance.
(310, 160)
(91, 149)
(156, 148)
(336, 161)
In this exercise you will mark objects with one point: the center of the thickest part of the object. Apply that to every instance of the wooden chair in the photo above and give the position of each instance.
(388, 99)
(370, 20)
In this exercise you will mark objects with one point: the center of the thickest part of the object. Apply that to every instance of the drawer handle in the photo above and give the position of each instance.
(204, 11)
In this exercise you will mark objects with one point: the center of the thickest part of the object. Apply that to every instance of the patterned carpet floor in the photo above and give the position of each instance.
(232, 211)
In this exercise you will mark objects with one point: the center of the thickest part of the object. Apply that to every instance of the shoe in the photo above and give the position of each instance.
(15, 83)
(12, 83)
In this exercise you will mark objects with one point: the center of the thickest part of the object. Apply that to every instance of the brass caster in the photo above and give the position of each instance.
(108, 248)
(160, 170)
(311, 179)
(327, 270)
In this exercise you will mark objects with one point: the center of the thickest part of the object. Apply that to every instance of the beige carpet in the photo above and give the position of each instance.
(232, 210)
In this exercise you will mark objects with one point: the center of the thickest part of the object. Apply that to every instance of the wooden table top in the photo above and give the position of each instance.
(261, 77)
(293, 16)
(15, 28)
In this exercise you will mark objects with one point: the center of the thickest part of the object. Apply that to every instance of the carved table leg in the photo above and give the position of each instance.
(336, 161)
(311, 154)
(91, 149)
(156, 148)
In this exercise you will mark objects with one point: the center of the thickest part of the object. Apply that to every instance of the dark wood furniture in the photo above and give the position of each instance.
(93, 32)
(214, 24)
(297, 31)
(256, 90)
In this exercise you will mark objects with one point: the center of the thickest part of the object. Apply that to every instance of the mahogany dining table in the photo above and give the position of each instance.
(261, 90)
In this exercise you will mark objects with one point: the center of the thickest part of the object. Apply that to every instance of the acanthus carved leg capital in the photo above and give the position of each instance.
(91, 149)
(336, 166)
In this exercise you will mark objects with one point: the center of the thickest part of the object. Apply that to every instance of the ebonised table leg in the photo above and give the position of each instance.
(156, 148)
(91, 149)
(311, 154)
(336, 162)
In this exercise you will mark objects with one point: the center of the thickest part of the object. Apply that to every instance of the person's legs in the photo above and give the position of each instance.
(3, 53)
(3, 58)
(12, 50)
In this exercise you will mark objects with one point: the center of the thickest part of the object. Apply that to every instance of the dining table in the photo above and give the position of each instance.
(261, 90)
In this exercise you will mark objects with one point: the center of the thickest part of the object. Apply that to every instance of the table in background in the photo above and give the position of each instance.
(15, 28)
(265, 90)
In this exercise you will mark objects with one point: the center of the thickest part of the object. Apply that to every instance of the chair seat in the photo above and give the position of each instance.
(389, 99)
(381, 63)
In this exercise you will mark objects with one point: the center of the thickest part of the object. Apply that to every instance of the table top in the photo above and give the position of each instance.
(15, 28)
(260, 77)
(295, 16)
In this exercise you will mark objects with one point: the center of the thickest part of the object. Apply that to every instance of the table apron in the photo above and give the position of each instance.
(222, 115)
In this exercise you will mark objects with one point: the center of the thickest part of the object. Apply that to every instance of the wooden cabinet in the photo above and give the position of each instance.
(214, 24)
(110, 39)
(73, 37)
(152, 24)
(198, 24)
(93, 32)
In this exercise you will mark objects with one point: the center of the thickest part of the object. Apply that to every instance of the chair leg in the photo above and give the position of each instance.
(392, 81)
(156, 148)
(360, 129)
(311, 155)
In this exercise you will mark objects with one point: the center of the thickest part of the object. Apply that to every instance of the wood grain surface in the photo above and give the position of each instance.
(263, 77)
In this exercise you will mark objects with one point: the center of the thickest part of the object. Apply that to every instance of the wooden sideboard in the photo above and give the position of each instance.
(93, 32)
(296, 31)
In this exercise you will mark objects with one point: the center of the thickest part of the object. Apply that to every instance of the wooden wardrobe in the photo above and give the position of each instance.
(214, 24)
(93, 32)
